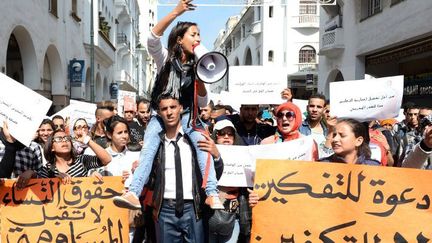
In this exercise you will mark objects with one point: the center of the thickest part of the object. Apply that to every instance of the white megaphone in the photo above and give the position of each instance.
(211, 66)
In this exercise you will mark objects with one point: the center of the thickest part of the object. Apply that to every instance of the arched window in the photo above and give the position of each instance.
(307, 54)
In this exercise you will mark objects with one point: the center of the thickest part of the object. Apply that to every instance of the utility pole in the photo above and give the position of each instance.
(92, 84)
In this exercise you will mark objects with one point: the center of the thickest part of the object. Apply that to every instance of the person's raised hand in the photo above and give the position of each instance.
(65, 177)
(208, 145)
(7, 134)
(331, 122)
(24, 178)
(183, 6)
(97, 175)
(428, 137)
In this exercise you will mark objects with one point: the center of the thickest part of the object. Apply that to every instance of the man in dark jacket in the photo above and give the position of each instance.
(175, 180)
(176, 190)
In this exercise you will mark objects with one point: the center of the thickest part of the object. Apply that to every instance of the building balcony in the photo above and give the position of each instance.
(103, 49)
(332, 43)
(307, 67)
(305, 21)
(256, 27)
(126, 81)
(123, 45)
(303, 69)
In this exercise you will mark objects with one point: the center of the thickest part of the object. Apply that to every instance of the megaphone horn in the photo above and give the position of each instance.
(211, 66)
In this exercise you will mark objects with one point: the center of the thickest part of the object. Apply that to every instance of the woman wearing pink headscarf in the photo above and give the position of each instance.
(289, 119)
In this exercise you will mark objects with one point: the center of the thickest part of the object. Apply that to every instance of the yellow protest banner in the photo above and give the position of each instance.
(49, 211)
(330, 202)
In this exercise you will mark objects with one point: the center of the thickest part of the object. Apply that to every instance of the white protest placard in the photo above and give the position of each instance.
(302, 105)
(257, 84)
(84, 110)
(366, 100)
(23, 109)
(401, 115)
(78, 109)
(239, 161)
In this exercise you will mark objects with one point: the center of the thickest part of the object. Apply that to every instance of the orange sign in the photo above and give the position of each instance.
(330, 202)
(48, 211)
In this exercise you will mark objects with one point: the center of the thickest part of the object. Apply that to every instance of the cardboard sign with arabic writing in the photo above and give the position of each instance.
(330, 202)
(50, 211)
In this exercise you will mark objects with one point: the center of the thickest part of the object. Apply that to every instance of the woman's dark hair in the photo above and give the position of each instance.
(174, 71)
(112, 122)
(50, 155)
(45, 121)
(175, 49)
(360, 130)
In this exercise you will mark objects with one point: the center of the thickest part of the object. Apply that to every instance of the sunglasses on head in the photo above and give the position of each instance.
(62, 139)
(290, 115)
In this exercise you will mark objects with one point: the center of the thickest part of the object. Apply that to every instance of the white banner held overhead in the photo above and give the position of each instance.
(366, 100)
(78, 109)
(23, 109)
(239, 161)
(302, 105)
(257, 84)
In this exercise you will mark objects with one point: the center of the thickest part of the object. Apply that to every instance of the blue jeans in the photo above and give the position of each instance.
(151, 145)
(215, 238)
(171, 229)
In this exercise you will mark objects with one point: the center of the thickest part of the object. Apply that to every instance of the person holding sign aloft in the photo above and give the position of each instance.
(176, 77)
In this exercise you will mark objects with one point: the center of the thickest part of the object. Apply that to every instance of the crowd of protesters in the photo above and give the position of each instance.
(106, 149)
